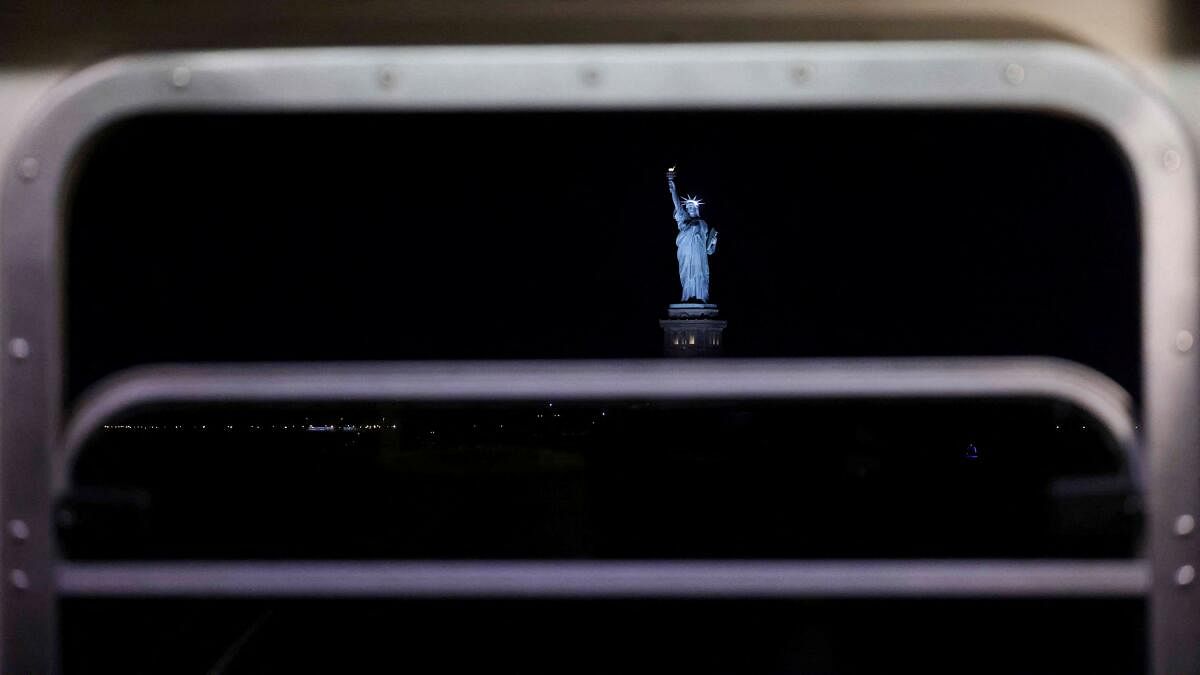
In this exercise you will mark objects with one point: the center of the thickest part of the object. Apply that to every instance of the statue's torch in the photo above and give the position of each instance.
(671, 174)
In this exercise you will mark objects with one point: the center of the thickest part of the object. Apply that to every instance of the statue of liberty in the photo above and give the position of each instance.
(695, 242)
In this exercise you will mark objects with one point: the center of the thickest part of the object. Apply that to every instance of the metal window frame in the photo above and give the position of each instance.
(1047, 77)
(637, 380)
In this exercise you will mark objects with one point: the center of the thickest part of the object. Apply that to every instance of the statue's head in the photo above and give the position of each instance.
(692, 206)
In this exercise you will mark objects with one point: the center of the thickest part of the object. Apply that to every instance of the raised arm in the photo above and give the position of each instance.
(674, 194)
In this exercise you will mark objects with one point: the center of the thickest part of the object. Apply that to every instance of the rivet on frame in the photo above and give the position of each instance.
(19, 579)
(28, 168)
(801, 73)
(1185, 575)
(18, 530)
(590, 76)
(18, 348)
(1184, 341)
(1185, 525)
(1014, 73)
(1171, 159)
(386, 77)
(181, 77)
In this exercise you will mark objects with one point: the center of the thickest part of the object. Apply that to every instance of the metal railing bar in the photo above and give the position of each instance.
(592, 579)
(609, 379)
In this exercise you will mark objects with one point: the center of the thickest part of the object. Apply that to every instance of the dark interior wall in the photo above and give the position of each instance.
(1183, 26)
(86, 30)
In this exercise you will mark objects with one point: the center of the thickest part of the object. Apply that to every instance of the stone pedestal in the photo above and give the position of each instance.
(692, 329)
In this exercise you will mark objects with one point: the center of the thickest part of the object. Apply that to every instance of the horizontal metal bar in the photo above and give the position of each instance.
(609, 379)
(572, 579)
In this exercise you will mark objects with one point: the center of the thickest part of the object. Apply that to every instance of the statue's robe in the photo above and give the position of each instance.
(694, 244)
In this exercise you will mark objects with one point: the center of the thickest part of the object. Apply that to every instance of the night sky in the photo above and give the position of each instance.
(549, 235)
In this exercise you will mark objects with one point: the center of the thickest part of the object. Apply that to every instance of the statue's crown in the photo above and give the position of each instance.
(692, 201)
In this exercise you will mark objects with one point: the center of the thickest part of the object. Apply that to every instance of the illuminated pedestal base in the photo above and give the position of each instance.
(692, 329)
